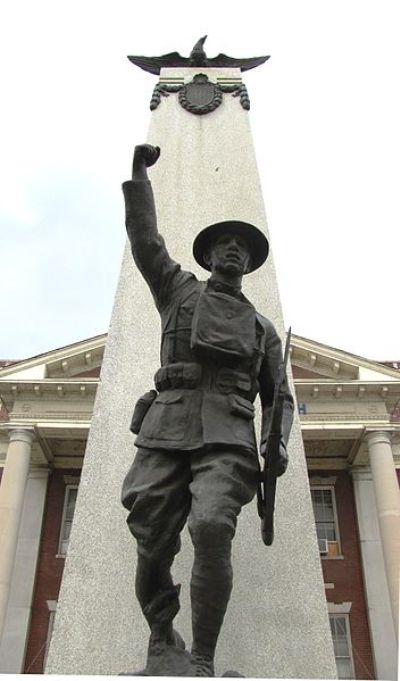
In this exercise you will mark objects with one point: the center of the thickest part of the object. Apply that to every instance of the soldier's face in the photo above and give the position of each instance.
(229, 253)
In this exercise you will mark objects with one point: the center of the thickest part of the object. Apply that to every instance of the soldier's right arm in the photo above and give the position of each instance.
(148, 246)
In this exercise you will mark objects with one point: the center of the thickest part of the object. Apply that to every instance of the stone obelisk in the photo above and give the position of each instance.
(277, 622)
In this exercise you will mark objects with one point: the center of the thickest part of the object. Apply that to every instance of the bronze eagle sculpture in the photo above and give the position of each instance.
(197, 57)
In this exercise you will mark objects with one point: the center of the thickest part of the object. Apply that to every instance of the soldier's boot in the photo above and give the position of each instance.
(159, 600)
(211, 587)
(166, 655)
(160, 613)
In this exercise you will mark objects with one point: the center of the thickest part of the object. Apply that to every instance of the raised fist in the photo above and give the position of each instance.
(145, 154)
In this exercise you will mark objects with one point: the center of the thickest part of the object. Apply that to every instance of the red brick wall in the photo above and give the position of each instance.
(49, 572)
(3, 413)
(346, 575)
(3, 419)
(299, 372)
(89, 373)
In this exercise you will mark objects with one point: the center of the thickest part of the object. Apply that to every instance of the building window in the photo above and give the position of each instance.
(342, 646)
(68, 515)
(323, 499)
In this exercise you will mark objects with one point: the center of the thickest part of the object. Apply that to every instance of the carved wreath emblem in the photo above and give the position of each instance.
(200, 96)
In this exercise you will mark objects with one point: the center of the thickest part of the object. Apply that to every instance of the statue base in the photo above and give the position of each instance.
(173, 661)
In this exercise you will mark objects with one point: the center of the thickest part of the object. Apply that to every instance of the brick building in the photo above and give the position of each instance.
(350, 414)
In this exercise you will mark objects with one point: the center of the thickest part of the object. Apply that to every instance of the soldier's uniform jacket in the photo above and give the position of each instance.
(217, 352)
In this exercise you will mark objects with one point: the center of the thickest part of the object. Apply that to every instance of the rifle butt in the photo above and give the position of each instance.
(267, 533)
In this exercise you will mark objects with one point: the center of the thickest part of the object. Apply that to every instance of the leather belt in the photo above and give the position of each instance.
(191, 375)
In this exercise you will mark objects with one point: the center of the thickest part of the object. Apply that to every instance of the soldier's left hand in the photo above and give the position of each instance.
(282, 463)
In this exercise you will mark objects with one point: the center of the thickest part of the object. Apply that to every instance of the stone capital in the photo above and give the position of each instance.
(21, 434)
(361, 473)
(375, 437)
(36, 472)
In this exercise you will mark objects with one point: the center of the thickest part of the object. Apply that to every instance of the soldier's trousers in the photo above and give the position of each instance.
(207, 487)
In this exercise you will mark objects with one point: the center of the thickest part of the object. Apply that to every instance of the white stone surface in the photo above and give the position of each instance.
(13, 641)
(276, 625)
(384, 643)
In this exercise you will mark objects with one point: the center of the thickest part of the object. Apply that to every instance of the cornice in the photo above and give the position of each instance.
(385, 392)
(47, 389)
(68, 416)
(331, 384)
(28, 383)
(339, 421)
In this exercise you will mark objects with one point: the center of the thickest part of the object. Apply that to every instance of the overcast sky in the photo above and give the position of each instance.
(325, 112)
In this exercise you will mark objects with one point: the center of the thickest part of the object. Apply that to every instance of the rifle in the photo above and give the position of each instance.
(267, 485)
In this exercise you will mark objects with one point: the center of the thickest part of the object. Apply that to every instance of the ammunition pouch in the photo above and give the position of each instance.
(142, 406)
(178, 375)
(191, 375)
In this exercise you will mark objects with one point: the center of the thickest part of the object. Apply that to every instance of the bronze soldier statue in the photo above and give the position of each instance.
(197, 459)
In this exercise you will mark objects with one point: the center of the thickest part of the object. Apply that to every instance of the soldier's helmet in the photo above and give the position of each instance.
(257, 242)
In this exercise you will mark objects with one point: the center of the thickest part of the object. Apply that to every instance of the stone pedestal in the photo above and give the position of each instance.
(277, 623)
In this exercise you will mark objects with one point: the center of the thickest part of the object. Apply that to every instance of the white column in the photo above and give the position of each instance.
(383, 638)
(17, 621)
(387, 496)
(12, 491)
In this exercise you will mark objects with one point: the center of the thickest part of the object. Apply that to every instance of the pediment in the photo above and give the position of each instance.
(81, 359)
(313, 360)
